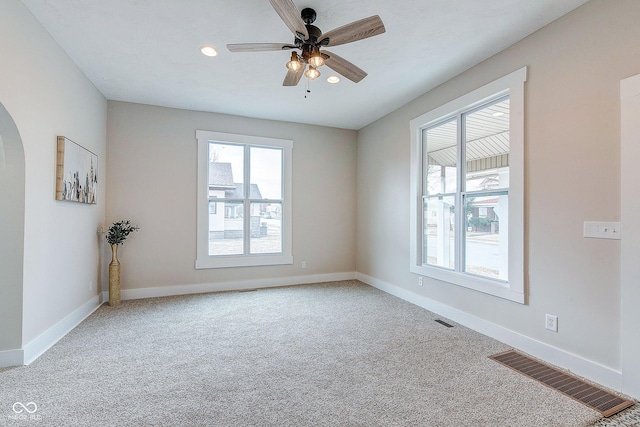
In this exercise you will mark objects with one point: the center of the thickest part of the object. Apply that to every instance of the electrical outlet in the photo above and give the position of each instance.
(419, 281)
(304, 264)
(551, 322)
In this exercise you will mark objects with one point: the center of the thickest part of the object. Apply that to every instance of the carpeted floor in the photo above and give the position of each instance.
(315, 355)
(626, 418)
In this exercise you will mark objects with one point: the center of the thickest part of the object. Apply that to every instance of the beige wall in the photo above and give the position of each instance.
(152, 181)
(46, 95)
(572, 139)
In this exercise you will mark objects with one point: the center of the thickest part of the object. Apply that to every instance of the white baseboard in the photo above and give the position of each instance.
(591, 370)
(11, 358)
(48, 338)
(199, 288)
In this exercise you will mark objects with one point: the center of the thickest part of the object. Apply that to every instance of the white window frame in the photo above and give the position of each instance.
(514, 289)
(203, 259)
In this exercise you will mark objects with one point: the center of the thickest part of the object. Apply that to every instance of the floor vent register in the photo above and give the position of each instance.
(594, 397)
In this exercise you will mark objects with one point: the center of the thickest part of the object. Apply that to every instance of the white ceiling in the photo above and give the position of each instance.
(148, 51)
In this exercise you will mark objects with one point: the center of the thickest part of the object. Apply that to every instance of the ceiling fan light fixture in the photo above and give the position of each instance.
(312, 73)
(208, 51)
(316, 59)
(294, 64)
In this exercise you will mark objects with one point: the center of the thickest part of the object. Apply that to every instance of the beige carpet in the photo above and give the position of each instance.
(315, 355)
(627, 418)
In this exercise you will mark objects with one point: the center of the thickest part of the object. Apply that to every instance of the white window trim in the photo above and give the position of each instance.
(203, 259)
(513, 85)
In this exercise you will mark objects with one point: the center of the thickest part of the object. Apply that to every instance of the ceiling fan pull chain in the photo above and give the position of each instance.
(307, 88)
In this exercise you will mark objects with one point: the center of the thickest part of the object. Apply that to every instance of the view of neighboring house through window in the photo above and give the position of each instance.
(467, 214)
(481, 145)
(230, 198)
(247, 183)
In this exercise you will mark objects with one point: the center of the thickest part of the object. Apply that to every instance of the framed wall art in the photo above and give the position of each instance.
(76, 173)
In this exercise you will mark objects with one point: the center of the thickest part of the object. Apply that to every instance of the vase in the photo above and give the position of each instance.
(114, 278)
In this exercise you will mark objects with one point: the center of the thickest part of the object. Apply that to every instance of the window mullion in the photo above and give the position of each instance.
(246, 203)
(460, 213)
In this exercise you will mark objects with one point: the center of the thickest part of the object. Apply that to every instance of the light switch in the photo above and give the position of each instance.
(602, 230)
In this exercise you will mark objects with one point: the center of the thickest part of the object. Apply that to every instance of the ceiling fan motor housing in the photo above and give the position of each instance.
(314, 34)
(308, 15)
(311, 44)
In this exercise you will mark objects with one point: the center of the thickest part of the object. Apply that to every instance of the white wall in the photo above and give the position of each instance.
(152, 181)
(630, 207)
(47, 95)
(11, 237)
(572, 149)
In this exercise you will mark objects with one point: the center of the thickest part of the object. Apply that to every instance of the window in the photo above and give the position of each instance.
(244, 200)
(467, 172)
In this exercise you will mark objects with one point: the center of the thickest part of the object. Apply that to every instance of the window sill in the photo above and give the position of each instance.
(492, 287)
(243, 261)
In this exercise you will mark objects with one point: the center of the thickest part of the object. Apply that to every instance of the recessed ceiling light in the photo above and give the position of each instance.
(333, 79)
(498, 114)
(208, 51)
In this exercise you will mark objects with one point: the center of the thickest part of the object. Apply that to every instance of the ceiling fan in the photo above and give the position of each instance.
(309, 40)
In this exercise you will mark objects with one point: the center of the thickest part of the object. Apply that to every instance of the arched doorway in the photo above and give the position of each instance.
(11, 239)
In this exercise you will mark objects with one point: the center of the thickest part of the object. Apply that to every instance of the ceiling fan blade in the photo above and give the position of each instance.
(290, 14)
(358, 30)
(293, 77)
(344, 67)
(258, 47)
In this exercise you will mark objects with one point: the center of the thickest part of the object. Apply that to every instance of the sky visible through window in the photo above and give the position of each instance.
(266, 166)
